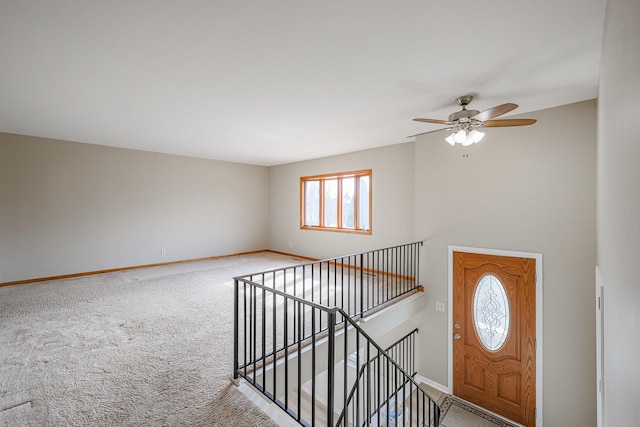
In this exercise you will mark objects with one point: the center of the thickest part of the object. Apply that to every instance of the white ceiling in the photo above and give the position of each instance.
(269, 82)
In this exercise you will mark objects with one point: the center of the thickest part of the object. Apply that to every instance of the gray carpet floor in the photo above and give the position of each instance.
(147, 347)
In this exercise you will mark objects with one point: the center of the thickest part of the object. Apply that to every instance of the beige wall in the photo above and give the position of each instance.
(392, 216)
(522, 189)
(619, 210)
(67, 207)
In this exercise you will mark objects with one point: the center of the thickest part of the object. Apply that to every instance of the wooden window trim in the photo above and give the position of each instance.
(339, 176)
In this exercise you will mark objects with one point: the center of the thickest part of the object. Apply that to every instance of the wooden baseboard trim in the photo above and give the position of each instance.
(300, 257)
(133, 267)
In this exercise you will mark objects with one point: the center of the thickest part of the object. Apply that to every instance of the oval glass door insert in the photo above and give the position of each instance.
(491, 312)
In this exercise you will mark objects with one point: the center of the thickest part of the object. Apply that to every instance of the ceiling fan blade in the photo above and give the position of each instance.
(495, 112)
(508, 122)
(431, 131)
(438, 122)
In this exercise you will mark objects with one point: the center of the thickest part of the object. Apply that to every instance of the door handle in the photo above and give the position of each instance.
(457, 336)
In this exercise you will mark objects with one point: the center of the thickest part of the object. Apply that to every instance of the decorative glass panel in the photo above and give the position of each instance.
(491, 312)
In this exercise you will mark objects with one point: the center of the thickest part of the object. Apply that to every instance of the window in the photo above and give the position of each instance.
(336, 202)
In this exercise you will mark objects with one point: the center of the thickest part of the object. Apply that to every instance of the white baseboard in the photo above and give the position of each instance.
(420, 379)
(272, 410)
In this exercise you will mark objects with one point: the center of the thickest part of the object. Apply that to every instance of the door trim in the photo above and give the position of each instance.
(539, 299)
(599, 349)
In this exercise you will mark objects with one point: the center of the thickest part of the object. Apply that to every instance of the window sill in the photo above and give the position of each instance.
(337, 230)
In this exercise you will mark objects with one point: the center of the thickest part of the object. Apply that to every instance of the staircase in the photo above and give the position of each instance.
(298, 340)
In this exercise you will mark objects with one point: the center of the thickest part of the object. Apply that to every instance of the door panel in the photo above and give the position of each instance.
(494, 362)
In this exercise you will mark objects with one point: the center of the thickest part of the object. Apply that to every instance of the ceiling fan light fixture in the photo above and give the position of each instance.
(464, 137)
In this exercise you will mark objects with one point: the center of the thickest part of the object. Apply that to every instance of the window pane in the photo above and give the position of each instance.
(331, 203)
(312, 203)
(363, 203)
(348, 202)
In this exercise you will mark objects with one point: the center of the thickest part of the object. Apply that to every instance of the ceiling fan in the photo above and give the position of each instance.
(463, 123)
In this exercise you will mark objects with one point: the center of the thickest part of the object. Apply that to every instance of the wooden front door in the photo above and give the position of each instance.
(494, 327)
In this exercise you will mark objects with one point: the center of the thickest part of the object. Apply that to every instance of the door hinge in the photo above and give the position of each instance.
(535, 412)
(598, 303)
(535, 277)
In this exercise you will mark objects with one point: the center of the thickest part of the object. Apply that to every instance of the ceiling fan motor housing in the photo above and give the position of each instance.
(462, 115)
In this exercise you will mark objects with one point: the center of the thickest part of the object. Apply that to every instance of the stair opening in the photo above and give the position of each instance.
(297, 340)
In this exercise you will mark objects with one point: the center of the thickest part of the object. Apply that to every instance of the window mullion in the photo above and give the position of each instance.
(356, 204)
(321, 203)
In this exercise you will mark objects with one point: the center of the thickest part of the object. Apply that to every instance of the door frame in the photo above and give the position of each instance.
(539, 341)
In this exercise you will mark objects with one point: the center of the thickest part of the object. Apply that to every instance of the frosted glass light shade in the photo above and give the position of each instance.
(476, 135)
(450, 139)
(460, 136)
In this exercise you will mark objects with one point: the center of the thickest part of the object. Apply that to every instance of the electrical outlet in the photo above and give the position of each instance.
(163, 251)
(290, 244)
(440, 306)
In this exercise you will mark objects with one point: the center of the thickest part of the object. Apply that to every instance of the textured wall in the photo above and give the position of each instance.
(67, 207)
(619, 210)
(522, 189)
